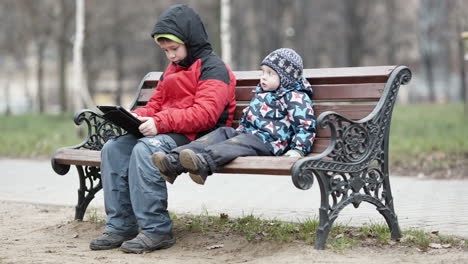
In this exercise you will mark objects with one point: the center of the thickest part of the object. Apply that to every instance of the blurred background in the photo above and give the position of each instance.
(37, 40)
(40, 48)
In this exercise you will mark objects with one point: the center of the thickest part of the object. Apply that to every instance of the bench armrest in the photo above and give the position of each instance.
(98, 131)
(354, 144)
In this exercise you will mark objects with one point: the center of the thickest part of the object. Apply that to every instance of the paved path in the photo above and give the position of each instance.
(431, 205)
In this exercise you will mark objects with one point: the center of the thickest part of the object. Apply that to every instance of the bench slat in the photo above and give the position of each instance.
(254, 165)
(82, 157)
(86, 157)
(338, 92)
(352, 111)
(345, 75)
(260, 165)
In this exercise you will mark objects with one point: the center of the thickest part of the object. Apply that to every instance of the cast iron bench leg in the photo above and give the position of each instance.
(352, 188)
(88, 188)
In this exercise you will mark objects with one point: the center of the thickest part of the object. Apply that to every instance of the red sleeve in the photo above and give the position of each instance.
(211, 99)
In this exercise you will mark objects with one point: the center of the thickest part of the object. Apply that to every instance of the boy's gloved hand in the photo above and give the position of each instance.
(293, 153)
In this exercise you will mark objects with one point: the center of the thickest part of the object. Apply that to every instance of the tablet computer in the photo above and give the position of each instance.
(120, 117)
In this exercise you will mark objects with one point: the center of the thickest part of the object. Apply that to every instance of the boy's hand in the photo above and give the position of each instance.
(148, 127)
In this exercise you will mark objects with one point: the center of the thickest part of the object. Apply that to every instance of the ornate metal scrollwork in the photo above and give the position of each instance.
(99, 130)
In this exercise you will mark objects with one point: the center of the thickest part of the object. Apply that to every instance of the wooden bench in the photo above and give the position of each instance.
(349, 160)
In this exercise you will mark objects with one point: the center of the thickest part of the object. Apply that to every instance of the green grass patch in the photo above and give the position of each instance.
(36, 135)
(341, 237)
(416, 130)
(426, 129)
(95, 217)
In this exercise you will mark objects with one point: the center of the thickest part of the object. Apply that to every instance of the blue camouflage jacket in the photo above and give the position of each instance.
(283, 118)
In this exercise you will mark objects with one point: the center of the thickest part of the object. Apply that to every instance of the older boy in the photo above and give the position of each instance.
(195, 94)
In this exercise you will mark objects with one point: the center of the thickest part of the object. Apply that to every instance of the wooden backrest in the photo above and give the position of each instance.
(352, 92)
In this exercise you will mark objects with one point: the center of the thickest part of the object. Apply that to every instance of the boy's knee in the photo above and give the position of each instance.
(141, 150)
(109, 146)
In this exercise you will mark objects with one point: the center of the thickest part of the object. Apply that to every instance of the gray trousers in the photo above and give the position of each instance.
(135, 195)
(224, 144)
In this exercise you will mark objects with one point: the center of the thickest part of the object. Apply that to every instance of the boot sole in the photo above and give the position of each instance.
(97, 247)
(188, 159)
(94, 246)
(157, 159)
(162, 245)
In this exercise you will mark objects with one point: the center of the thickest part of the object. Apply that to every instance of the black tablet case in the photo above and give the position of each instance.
(122, 118)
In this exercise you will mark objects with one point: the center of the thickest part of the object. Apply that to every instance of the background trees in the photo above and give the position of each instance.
(36, 43)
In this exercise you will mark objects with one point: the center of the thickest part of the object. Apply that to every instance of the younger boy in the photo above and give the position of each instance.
(278, 120)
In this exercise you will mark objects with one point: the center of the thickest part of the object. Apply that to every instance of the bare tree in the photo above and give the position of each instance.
(355, 14)
(391, 11)
(434, 51)
(13, 44)
(459, 9)
(39, 24)
(62, 40)
(226, 31)
(81, 93)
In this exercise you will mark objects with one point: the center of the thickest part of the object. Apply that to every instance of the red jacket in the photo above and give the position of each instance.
(186, 103)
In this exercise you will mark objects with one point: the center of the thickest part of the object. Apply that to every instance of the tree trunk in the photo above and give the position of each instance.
(225, 18)
(7, 96)
(62, 56)
(119, 55)
(40, 75)
(390, 34)
(354, 38)
(463, 92)
(81, 96)
(118, 52)
(78, 55)
(433, 45)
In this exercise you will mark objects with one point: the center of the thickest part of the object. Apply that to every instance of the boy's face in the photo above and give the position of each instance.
(175, 52)
(269, 80)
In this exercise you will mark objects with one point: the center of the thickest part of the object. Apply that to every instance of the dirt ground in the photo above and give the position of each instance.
(32, 233)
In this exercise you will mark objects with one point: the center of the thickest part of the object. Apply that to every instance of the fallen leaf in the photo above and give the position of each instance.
(407, 238)
(223, 216)
(435, 245)
(339, 236)
(446, 245)
(215, 246)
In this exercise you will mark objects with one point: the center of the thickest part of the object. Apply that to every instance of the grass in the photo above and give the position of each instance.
(341, 237)
(416, 130)
(36, 135)
(425, 129)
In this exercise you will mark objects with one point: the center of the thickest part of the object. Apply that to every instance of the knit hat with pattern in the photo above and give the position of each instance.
(287, 63)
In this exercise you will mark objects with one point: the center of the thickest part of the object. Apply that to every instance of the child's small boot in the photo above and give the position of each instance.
(195, 164)
(169, 165)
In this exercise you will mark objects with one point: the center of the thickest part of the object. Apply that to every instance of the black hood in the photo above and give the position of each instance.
(184, 23)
